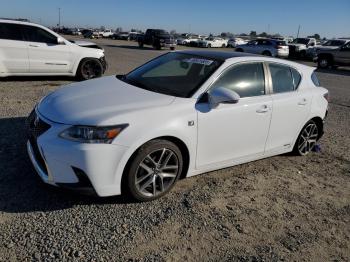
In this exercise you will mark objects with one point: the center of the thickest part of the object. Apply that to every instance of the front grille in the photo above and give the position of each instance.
(35, 128)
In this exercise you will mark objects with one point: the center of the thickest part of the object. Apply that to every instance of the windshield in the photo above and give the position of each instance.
(175, 74)
(303, 41)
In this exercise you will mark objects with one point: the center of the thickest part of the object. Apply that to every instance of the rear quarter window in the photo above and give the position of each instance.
(315, 79)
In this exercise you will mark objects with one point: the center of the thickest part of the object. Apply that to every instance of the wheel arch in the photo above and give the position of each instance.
(80, 60)
(177, 141)
(319, 122)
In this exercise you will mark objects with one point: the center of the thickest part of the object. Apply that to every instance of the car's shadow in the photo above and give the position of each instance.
(37, 78)
(20, 188)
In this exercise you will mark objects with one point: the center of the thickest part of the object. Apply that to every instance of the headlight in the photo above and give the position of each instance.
(92, 134)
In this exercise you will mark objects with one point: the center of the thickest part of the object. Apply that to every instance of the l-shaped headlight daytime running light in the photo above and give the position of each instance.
(92, 134)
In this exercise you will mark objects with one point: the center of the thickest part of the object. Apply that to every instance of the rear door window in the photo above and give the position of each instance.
(284, 78)
(11, 31)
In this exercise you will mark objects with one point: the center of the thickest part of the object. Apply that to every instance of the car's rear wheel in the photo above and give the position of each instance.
(323, 62)
(172, 48)
(223, 45)
(302, 54)
(89, 68)
(266, 53)
(209, 45)
(154, 170)
(307, 139)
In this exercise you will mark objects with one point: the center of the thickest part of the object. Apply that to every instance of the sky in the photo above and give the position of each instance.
(327, 18)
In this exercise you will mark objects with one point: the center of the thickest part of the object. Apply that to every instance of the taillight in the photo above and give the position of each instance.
(326, 96)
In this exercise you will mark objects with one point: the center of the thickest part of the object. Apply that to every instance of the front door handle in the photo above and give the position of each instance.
(31, 45)
(303, 102)
(263, 109)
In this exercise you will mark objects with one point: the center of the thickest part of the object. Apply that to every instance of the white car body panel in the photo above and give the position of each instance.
(34, 58)
(227, 135)
(13, 57)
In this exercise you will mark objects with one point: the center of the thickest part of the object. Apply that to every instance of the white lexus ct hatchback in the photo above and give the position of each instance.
(181, 114)
(28, 49)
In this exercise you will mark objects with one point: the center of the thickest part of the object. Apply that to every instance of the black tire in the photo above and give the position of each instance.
(302, 54)
(157, 46)
(302, 138)
(89, 68)
(209, 45)
(324, 62)
(141, 44)
(266, 53)
(223, 45)
(172, 48)
(134, 169)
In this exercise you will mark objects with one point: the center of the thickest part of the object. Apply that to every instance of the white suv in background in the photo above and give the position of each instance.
(32, 49)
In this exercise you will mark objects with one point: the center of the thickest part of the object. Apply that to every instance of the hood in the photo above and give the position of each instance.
(98, 101)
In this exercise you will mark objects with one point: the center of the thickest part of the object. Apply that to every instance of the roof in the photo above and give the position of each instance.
(216, 54)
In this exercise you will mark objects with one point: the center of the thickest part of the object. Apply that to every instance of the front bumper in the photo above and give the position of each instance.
(87, 168)
(167, 45)
(104, 63)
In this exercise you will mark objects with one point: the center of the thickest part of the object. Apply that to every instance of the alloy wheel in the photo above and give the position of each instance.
(308, 139)
(323, 62)
(91, 69)
(157, 172)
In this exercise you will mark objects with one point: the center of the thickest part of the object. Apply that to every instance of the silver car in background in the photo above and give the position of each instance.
(268, 47)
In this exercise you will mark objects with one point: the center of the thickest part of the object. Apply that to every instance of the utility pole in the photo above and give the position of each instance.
(298, 31)
(59, 17)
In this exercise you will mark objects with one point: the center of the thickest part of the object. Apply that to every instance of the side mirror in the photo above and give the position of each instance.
(60, 41)
(223, 95)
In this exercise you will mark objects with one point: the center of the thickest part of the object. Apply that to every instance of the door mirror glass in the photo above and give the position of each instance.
(60, 41)
(223, 95)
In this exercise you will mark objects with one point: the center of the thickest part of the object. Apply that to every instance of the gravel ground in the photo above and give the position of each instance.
(281, 208)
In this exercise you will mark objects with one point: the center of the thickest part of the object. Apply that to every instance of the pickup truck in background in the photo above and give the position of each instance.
(339, 56)
(157, 38)
(300, 47)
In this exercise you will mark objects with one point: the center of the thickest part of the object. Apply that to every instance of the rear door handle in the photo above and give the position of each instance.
(303, 102)
(31, 45)
(263, 109)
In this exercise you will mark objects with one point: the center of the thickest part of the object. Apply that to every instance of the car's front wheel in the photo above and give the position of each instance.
(307, 139)
(89, 68)
(153, 170)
